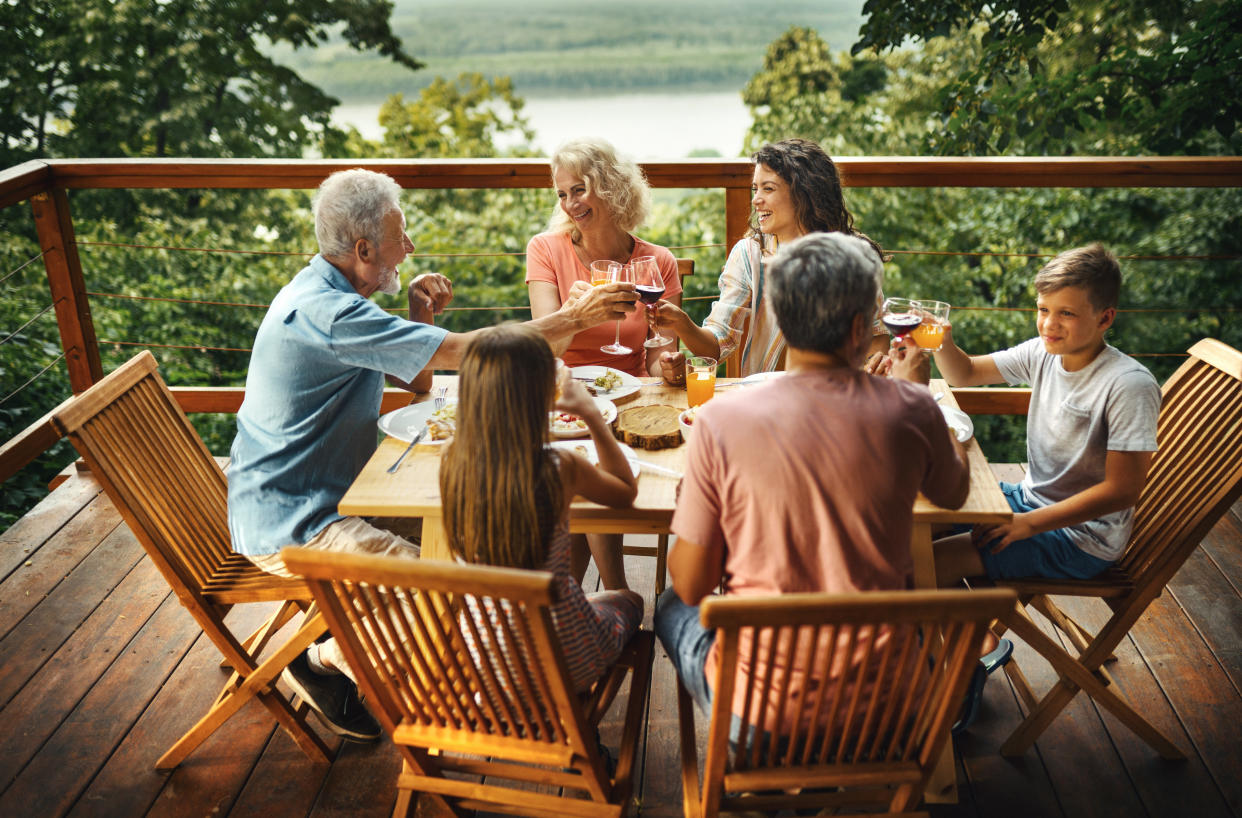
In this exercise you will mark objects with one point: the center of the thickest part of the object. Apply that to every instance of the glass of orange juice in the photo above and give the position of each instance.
(700, 380)
(602, 271)
(929, 335)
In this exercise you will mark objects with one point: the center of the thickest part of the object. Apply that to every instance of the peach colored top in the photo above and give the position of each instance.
(550, 257)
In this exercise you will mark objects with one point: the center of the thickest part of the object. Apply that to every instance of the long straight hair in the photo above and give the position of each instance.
(499, 482)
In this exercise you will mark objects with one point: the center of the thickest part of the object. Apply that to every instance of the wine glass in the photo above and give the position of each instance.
(650, 286)
(929, 335)
(601, 271)
(620, 274)
(900, 317)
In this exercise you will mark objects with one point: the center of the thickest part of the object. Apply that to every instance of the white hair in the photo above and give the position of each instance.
(351, 205)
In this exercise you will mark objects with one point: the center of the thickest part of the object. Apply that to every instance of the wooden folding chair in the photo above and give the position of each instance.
(172, 493)
(1195, 476)
(865, 734)
(504, 714)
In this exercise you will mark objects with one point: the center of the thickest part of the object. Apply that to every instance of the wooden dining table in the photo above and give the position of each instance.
(414, 491)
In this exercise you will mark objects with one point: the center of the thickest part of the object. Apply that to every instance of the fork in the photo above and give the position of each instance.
(440, 400)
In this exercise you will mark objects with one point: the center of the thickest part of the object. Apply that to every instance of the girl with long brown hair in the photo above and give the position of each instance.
(506, 493)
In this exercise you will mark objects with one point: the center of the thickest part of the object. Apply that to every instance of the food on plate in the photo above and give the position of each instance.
(607, 382)
(563, 423)
(649, 427)
(443, 422)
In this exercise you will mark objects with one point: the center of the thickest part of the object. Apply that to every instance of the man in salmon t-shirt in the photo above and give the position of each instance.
(807, 482)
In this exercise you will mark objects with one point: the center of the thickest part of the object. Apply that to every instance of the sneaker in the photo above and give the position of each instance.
(334, 700)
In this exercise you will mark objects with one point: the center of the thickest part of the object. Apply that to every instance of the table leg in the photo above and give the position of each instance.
(435, 542)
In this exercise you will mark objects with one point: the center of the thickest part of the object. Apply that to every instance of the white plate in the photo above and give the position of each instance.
(760, 377)
(405, 422)
(961, 424)
(606, 408)
(629, 384)
(592, 455)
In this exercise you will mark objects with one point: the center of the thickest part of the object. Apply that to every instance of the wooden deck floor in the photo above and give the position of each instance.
(101, 669)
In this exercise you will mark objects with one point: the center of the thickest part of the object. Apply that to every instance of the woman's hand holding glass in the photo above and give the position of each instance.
(673, 368)
(620, 274)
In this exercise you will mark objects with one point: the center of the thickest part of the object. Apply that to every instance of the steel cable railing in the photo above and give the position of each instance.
(524, 307)
(36, 377)
(23, 266)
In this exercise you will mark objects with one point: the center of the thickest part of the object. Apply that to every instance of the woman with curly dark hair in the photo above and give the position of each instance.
(796, 190)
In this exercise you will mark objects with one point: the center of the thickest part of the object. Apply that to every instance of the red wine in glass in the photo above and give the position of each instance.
(649, 294)
(902, 323)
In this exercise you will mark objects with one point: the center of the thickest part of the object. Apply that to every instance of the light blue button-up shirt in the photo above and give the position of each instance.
(307, 424)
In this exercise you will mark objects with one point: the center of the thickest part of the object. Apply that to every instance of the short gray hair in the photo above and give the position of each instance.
(818, 283)
(351, 205)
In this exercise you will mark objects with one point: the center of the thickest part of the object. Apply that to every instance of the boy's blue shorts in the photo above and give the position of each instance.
(1051, 554)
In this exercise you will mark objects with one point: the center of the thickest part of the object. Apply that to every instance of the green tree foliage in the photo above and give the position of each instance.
(980, 239)
(1055, 76)
(171, 78)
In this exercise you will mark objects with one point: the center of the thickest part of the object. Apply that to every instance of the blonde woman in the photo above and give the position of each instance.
(506, 493)
(601, 199)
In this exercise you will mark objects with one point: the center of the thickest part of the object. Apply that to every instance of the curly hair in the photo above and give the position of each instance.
(814, 187)
(617, 180)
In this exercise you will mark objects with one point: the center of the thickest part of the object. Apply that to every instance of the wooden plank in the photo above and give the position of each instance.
(38, 709)
(285, 782)
(20, 182)
(362, 782)
(228, 399)
(65, 764)
(1212, 603)
(25, 537)
(54, 223)
(1198, 689)
(1183, 788)
(991, 400)
(39, 636)
(1223, 546)
(1007, 787)
(208, 781)
(863, 171)
(28, 584)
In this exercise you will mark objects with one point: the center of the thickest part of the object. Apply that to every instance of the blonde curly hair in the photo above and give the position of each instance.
(617, 180)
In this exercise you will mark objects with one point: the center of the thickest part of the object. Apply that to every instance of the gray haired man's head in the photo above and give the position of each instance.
(818, 284)
(351, 205)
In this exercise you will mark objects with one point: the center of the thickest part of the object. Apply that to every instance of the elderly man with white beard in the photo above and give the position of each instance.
(308, 422)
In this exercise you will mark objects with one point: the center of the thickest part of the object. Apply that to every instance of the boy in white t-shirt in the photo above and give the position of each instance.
(1091, 432)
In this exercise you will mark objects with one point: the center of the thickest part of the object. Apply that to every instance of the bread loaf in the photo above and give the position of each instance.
(648, 427)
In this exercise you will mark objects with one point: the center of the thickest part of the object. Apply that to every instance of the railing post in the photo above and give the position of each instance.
(737, 214)
(64, 278)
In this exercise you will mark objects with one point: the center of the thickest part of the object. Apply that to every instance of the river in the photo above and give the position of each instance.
(645, 126)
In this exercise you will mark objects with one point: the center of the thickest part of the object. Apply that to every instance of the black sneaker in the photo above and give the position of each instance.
(334, 699)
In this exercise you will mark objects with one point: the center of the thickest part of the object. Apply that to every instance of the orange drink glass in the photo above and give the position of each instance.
(929, 335)
(700, 380)
(602, 272)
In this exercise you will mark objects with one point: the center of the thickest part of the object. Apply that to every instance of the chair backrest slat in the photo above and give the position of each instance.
(1197, 471)
(861, 684)
(155, 468)
(460, 655)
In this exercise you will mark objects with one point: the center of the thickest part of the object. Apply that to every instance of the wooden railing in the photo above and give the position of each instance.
(45, 184)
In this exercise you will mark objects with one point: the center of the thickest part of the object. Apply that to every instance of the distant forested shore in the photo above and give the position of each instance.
(590, 48)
